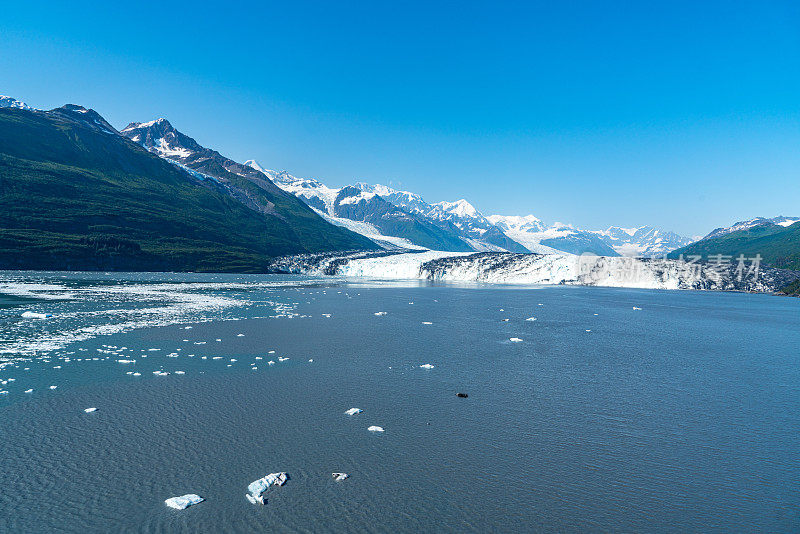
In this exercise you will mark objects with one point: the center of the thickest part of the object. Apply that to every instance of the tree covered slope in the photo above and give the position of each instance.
(74, 194)
(778, 245)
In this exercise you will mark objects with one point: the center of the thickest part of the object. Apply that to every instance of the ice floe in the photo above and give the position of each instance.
(380, 314)
(35, 315)
(258, 487)
(184, 501)
(426, 366)
(353, 411)
(514, 339)
(338, 477)
(375, 428)
(90, 410)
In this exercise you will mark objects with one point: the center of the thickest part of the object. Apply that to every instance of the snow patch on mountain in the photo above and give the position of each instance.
(8, 102)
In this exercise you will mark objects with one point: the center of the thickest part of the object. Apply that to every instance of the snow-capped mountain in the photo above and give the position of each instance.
(758, 221)
(645, 241)
(537, 237)
(459, 217)
(8, 102)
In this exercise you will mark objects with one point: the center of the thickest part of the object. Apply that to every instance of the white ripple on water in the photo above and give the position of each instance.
(177, 303)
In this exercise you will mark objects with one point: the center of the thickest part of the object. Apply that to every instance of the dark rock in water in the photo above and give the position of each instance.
(462, 395)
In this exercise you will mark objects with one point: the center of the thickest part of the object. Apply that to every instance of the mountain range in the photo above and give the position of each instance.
(77, 193)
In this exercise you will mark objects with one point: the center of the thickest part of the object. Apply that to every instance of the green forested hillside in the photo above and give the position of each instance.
(778, 246)
(74, 195)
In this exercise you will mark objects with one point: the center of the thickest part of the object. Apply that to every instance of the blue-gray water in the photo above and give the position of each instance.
(682, 416)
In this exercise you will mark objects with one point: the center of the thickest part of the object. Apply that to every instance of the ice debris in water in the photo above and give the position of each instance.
(426, 366)
(353, 411)
(29, 391)
(282, 359)
(338, 477)
(258, 487)
(90, 410)
(184, 501)
(636, 308)
(426, 322)
(53, 387)
(239, 335)
(531, 319)
(311, 360)
(35, 315)
(514, 339)
(375, 428)
(379, 314)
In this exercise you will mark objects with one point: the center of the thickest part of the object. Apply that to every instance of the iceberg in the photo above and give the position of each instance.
(534, 318)
(338, 477)
(375, 428)
(36, 315)
(353, 411)
(184, 501)
(426, 366)
(380, 314)
(258, 487)
(514, 339)
(90, 410)
(426, 322)
(636, 308)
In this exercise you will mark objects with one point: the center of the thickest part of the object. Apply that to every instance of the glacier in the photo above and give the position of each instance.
(536, 269)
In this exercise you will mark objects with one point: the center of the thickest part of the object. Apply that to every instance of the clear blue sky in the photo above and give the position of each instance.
(684, 115)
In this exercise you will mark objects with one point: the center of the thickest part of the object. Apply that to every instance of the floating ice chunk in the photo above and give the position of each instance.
(239, 335)
(53, 387)
(426, 366)
(258, 487)
(380, 314)
(375, 428)
(137, 374)
(271, 362)
(160, 373)
(514, 339)
(218, 340)
(504, 320)
(588, 330)
(184, 501)
(531, 319)
(217, 358)
(90, 410)
(271, 352)
(426, 322)
(126, 361)
(636, 308)
(311, 360)
(280, 359)
(35, 315)
(353, 411)
(180, 372)
(29, 391)
(338, 477)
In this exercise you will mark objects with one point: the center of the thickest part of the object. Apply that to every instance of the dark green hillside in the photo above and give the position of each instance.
(779, 246)
(74, 195)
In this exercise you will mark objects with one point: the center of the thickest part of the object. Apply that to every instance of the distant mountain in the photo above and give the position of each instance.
(537, 237)
(644, 241)
(459, 217)
(752, 223)
(75, 194)
(8, 102)
(776, 240)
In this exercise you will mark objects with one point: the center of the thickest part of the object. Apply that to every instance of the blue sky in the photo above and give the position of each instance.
(685, 115)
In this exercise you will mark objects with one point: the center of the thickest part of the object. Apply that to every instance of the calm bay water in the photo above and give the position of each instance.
(682, 416)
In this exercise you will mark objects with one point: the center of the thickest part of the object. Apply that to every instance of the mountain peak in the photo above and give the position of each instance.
(253, 164)
(8, 102)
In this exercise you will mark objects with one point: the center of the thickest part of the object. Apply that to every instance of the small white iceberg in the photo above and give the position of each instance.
(338, 477)
(375, 428)
(426, 322)
(353, 411)
(29, 391)
(53, 387)
(90, 410)
(36, 315)
(531, 319)
(514, 339)
(257, 488)
(426, 366)
(380, 314)
(184, 501)
(239, 335)
(636, 308)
